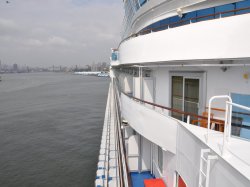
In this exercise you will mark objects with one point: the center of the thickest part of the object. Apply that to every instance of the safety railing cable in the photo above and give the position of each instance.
(124, 175)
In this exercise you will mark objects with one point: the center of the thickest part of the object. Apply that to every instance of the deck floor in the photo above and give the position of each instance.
(138, 178)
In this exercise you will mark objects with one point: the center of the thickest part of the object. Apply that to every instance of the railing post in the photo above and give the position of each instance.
(229, 122)
(226, 114)
(225, 130)
(188, 119)
(140, 76)
(209, 115)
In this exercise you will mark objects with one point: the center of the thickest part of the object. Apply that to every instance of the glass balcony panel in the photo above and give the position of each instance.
(241, 117)
(225, 8)
(243, 4)
(205, 12)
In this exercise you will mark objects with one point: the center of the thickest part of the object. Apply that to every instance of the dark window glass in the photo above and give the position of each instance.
(206, 13)
(225, 8)
(142, 2)
(243, 4)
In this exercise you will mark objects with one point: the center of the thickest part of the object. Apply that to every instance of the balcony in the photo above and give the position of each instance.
(185, 140)
(224, 38)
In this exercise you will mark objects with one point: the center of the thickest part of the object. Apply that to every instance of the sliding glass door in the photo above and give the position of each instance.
(177, 95)
(185, 95)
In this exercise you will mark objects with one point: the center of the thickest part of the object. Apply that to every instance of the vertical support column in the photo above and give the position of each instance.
(140, 77)
(229, 123)
(151, 158)
(140, 155)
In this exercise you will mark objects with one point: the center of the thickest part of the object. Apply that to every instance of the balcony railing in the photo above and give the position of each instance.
(192, 20)
(187, 115)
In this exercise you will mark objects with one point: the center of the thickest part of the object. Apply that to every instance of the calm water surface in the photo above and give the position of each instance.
(50, 128)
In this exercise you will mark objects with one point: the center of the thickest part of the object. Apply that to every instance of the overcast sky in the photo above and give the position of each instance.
(58, 32)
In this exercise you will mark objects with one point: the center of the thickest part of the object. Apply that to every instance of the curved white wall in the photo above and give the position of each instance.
(154, 126)
(182, 144)
(225, 38)
(157, 10)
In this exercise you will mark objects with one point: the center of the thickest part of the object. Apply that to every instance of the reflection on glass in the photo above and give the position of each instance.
(177, 95)
(191, 100)
(241, 117)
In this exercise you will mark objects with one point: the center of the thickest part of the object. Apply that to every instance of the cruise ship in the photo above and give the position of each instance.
(178, 107)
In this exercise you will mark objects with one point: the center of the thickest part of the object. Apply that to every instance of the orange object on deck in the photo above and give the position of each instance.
(181, 183)
(154, 183)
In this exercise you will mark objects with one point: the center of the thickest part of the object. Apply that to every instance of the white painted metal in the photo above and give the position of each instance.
(225, 38)
(148, 123)
(112, 154)
(101, 165)
(210, 106)
(205, 161)
(128, 131)
(148, 90)
(190, 141)
(145, 154)
(239, 106)
(113, 172)
(157, 10)
(133, 153)
(228, 114)
(107, 173)
(136, 87)
(112, 163)
(188, 119)
(112, 183)
(195, 65)
(99, 182)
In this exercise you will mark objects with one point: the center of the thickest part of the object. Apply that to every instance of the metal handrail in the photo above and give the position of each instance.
(182, 21)
(172, 109)
(108, 143)
(228, 117)
(213, 120)
(123, 166)
(235, 112)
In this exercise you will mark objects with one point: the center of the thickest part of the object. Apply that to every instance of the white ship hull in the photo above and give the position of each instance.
(178, 112)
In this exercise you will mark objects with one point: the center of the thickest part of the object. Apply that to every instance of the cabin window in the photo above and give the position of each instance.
(177, 95)
(160, 159)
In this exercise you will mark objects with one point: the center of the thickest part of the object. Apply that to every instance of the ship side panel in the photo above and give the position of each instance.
(152, 125)
(188, 163)
(225, 38)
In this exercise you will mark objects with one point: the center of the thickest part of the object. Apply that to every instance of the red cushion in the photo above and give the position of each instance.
(154, 183)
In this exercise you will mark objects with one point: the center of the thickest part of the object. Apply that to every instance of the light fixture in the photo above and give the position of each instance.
(179, 12)
(225, 68)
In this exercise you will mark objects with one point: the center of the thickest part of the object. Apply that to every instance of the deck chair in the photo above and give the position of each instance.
(203, 122)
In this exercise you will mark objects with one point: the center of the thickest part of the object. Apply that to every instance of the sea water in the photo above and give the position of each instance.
(50, 128)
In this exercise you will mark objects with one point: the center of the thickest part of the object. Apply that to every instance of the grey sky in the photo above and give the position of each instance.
(58, 32)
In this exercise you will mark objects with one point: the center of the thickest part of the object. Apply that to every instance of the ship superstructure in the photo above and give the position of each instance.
(178, 112)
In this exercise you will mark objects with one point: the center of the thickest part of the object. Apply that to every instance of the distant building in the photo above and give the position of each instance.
(15, 68)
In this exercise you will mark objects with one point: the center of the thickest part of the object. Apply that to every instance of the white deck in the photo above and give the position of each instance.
(237, 153)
